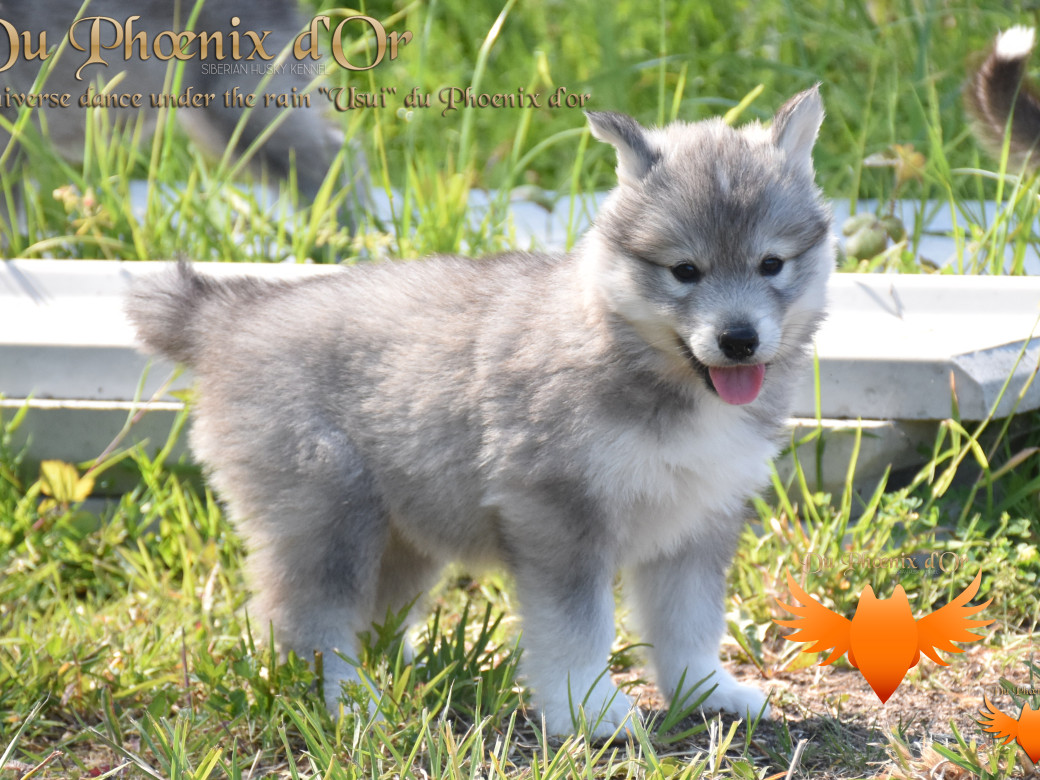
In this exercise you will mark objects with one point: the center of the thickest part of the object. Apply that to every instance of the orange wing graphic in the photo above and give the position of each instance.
(883, 640)
(824, 627)
(949, 624)
(997, 723)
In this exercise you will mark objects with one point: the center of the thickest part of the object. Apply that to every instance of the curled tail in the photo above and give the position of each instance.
(171, 310)
(163, 307)
(998, 97)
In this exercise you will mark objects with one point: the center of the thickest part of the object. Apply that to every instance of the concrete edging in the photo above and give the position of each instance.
(888, 355)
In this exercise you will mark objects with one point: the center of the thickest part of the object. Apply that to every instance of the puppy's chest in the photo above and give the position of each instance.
(661, 489)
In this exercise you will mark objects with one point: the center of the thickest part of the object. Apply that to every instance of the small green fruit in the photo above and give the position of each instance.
(867, 243)
(894, 227)
(856, 223)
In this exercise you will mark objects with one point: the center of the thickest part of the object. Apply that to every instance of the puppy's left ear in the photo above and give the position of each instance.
(635, 155)
(795, 127)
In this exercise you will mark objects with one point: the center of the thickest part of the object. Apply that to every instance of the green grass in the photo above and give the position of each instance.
(892, 72)
(126, 647)
(126, 642)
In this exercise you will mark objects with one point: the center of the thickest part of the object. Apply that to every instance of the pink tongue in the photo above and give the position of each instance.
(738, 384)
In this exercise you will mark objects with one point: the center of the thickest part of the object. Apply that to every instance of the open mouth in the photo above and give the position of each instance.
(737, 385)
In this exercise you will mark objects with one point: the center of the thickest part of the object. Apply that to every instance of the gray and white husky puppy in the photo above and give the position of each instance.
(567, 416)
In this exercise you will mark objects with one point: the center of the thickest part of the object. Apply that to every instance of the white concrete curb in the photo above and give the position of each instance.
(886, 355)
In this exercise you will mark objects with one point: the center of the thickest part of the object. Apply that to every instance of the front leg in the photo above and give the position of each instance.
(678, 603)
(568, 618)
(565, 586)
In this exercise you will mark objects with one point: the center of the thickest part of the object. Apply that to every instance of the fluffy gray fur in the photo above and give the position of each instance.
(552, 413)
(1002, 101)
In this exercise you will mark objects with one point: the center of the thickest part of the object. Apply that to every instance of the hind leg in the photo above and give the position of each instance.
(405, 575)
(316, 529)
(318, 598)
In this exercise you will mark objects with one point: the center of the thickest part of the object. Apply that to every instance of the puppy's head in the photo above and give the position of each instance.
(716, 245)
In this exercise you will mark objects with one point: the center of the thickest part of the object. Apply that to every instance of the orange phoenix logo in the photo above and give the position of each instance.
(1025, 730)
(883, 640)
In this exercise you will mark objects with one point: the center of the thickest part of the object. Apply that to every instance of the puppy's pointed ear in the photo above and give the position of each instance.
(795, 127)
(635, 155)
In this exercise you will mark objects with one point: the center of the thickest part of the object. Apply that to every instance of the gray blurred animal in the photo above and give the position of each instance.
(304, 141)
(1003, 102)
(564, 415)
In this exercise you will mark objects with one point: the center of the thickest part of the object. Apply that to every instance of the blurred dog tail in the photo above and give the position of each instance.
(1003, 103)
(163, 309)
(171, 309)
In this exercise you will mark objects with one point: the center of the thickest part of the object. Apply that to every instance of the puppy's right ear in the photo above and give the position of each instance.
(796, 125)
(635, 155)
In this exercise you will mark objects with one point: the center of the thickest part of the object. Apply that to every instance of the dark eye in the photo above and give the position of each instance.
(771, 266)
(686, 272)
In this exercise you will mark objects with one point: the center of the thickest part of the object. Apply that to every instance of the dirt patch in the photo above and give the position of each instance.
(849, 733)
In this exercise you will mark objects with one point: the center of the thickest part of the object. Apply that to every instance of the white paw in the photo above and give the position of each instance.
(408, 651)
(607, 711)
(744, 701)
(344, 673)
(334, 682)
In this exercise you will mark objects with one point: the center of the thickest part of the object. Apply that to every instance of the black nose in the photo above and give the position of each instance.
(738, 343)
